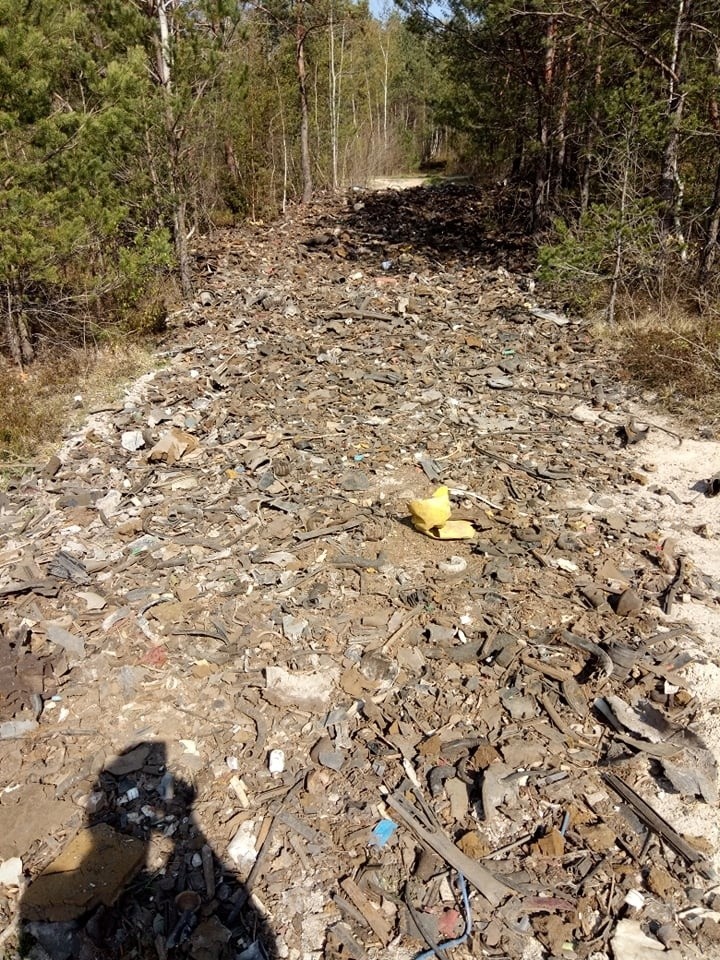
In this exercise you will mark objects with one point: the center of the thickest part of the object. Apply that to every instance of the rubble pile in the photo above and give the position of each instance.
(252, 706)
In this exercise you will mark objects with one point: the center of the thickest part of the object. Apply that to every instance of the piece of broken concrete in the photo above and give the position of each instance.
(630, 942)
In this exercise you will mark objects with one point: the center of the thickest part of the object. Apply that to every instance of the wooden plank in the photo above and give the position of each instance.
(377, 922)
(486, 883)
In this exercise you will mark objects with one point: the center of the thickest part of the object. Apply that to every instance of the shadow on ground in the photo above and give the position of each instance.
(140, 879)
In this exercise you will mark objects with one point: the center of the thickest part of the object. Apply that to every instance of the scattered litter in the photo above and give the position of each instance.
(630, 942)
(172, 446)
(305, 691)
(454, 565)
(240, 556)
(432, 517)
(383, 832)
(132, 440)
(63, 638)
(242, 848)
(11, 872)
(276, 761)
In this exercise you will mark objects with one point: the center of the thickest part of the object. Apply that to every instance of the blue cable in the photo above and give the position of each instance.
(460, 940)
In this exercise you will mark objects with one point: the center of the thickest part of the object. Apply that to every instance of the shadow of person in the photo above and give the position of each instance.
(140, 879)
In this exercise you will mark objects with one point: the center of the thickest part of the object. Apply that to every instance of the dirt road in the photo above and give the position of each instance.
(233, 671)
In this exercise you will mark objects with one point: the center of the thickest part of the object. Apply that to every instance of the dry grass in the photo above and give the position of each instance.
(38, 404)
(676, 354)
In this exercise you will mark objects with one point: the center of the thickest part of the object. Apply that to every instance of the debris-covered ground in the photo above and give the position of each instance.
(250, 708)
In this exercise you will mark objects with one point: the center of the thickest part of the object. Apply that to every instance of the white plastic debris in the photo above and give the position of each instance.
(109, 503)
(70, 642)
(559, 319)
(240, 791)
(132, 440)
(630, 942)
(276, 761)
(294, 627)
(11, 872)
(634, 899)
(454, 565)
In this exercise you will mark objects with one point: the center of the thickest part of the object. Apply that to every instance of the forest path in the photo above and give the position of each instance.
(222, 564)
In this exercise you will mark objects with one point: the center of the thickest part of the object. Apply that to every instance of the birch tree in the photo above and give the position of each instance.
(164, 11)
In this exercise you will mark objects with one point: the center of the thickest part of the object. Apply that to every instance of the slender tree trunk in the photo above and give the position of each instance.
(315, 112)
(305, 163)
(336, 77)
(333, 103)
(561, 127)
(671, 186)
(712, 229)
(518, 155)
(619, 240)
(591, 128)
(254, 188)
(12, 329)
(178, 200)
(370, 105)
(180, 231)
(542, 165)
(164, 57)
(231, 163)
(338, 108)
(283, 131)
(712, 241)
(540, 198)
(385, 51)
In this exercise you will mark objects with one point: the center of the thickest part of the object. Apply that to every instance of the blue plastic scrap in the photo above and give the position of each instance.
(383, 832)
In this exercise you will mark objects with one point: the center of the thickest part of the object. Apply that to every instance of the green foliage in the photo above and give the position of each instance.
(580, 263)
(543, 93)
(78, 201)
(108, 164)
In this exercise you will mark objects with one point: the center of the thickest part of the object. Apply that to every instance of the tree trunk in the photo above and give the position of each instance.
(180, 231)
(305, 164)
(17, 332)
(710, 248)
(712, 230)
(231, 162)
(333, 104)
(591, 128)
(542, 163)
(619, 237)
(561, 126)
(670, 191)
(518, 155)
(283, 131)
(178, 201)
(385, 51)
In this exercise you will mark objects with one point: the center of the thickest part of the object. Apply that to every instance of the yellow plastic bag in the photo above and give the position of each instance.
(432, 517)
